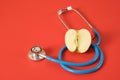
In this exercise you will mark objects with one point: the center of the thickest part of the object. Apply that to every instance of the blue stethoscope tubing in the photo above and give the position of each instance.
(98, 53)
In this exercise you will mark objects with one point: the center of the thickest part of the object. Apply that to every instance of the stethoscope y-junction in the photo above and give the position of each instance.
(76, 41)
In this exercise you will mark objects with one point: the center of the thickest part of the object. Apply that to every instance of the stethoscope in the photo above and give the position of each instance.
(37, 53)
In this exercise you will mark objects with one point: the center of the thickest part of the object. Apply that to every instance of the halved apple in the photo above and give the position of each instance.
(78, 40)
(71, 40)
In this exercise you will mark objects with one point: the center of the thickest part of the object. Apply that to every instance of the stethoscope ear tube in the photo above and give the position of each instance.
(69, 8)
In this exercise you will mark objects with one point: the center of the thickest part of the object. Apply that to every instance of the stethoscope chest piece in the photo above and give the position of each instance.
(36, 53)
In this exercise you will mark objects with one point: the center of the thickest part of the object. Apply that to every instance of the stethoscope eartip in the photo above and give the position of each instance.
(36, 53)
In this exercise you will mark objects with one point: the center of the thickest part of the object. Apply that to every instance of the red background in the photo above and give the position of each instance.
(25, 23)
